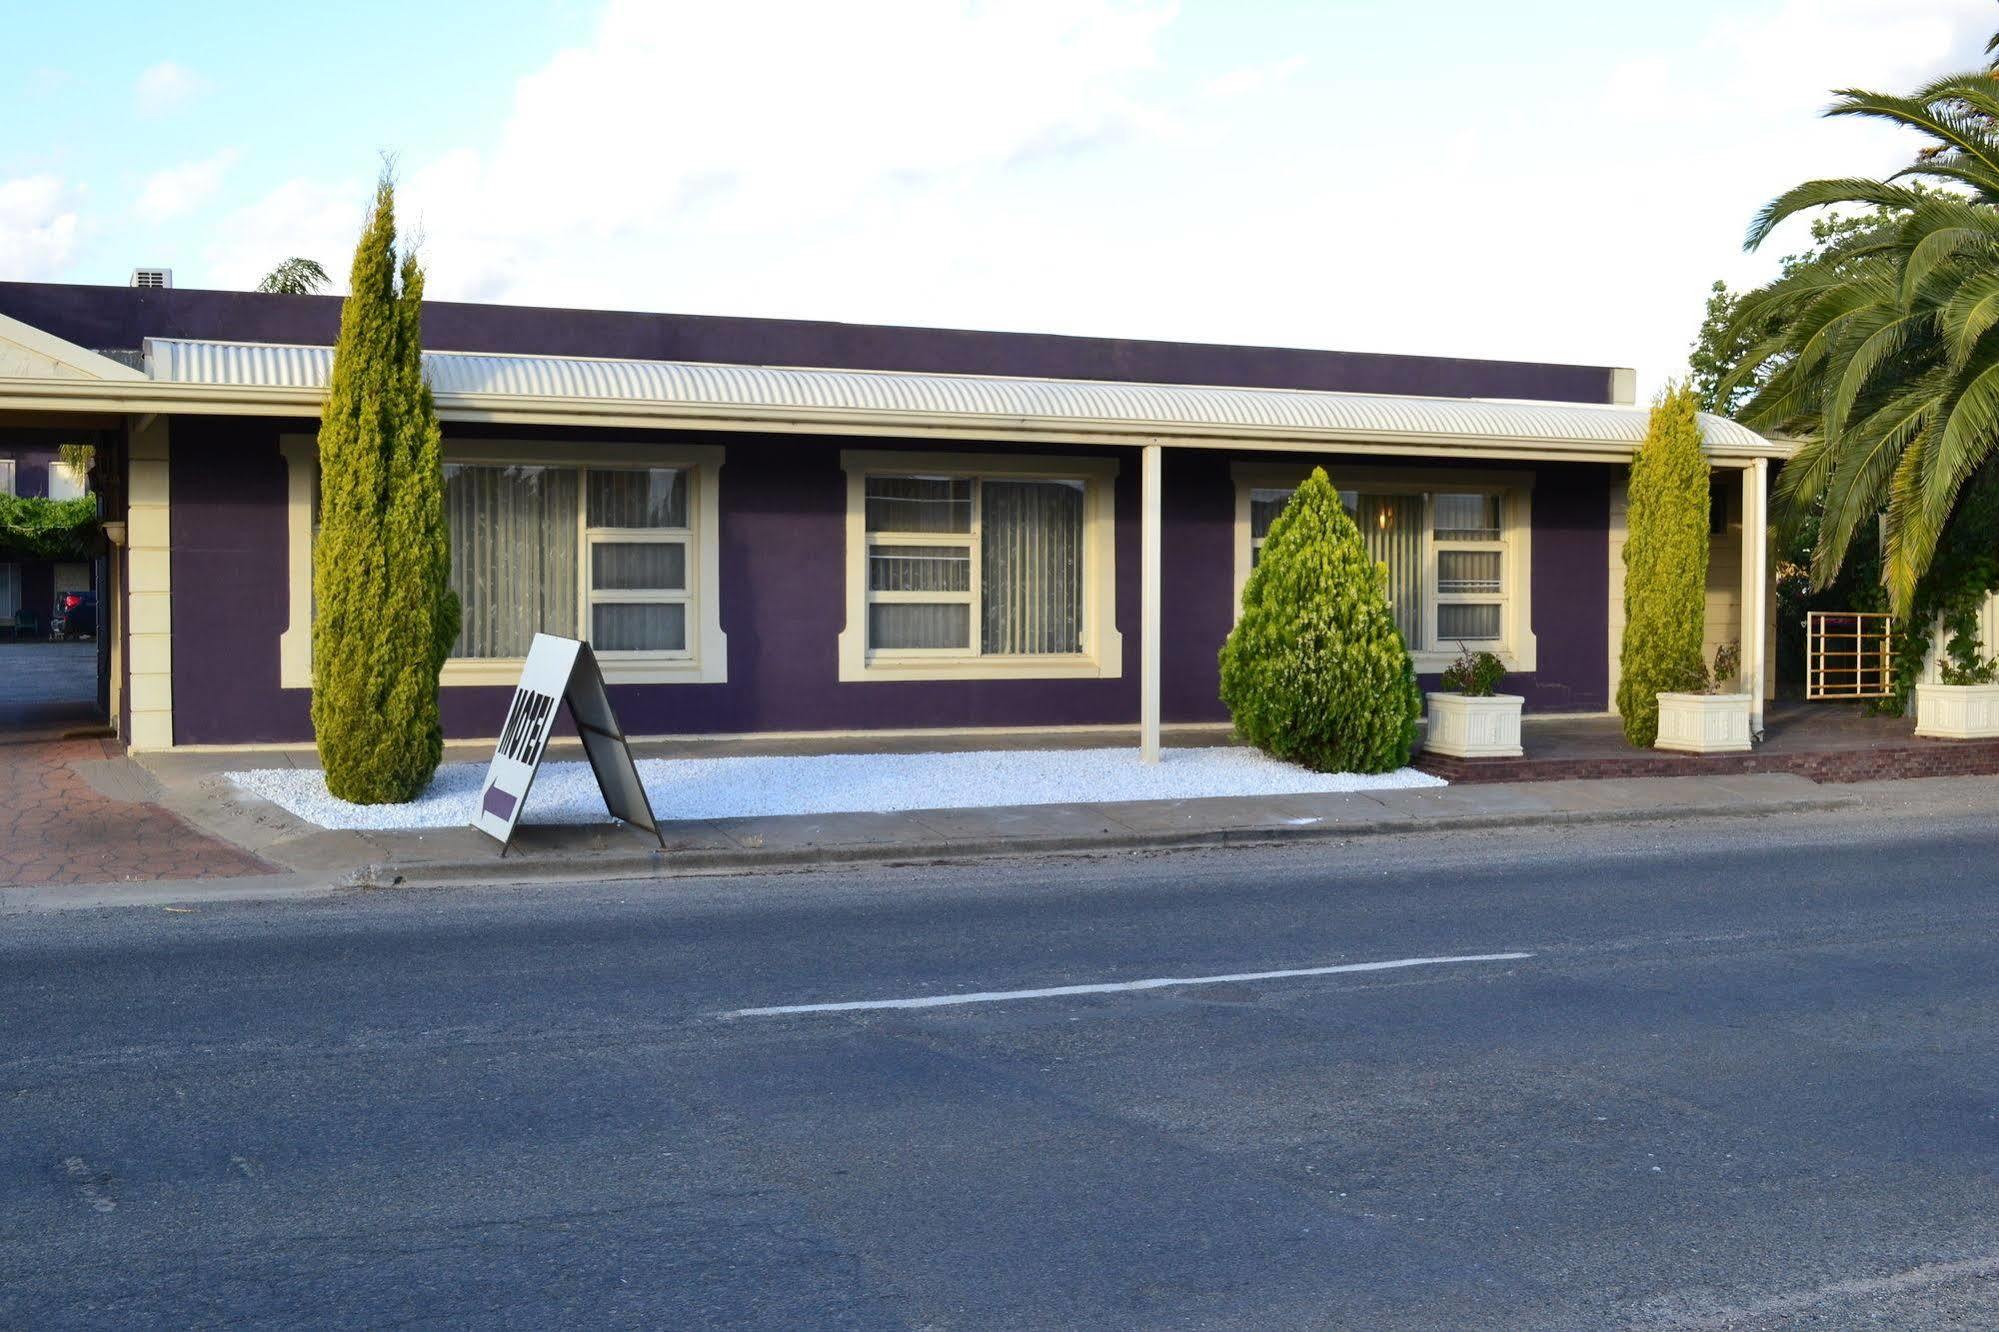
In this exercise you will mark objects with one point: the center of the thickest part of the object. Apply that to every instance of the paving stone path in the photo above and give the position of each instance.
(55, 827)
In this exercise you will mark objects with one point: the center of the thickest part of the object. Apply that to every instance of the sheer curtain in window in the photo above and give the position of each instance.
(1391, 526)
(513, 555)
(1031, 566)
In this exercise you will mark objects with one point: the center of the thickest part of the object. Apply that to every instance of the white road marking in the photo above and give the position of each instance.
(1119, 987)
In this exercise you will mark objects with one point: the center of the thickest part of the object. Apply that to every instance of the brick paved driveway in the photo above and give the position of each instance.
(56, 828)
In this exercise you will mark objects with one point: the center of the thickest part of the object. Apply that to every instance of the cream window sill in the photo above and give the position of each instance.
(1065, 667)
(466, 671)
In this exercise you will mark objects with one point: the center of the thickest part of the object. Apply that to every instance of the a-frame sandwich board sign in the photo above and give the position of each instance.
(560, 670)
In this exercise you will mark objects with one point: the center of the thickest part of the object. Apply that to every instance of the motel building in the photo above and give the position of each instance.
(781, 527)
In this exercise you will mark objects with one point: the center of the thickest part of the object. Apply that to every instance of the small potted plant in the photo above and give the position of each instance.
(1964, 705)
(1713, 716)
(1467, 718)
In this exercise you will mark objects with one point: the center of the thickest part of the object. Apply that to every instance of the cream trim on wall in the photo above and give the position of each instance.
(1520, 650)
(1102, 657)
(706, 661)
(149, 587)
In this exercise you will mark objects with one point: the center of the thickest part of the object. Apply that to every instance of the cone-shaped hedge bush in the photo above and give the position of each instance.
(1316, 672)
(1665, 565)
(384, 617)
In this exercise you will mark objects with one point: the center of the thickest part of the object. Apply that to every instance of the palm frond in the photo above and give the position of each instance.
(1864, 460)
(1954, 127)
(1970, 311)
(1827, 194)
(1882, 339)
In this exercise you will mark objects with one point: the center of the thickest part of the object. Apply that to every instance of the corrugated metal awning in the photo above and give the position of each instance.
(1060, 408)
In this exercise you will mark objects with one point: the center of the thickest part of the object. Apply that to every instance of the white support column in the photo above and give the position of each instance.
(1148, 603)
(148, 591)
(1755, 581)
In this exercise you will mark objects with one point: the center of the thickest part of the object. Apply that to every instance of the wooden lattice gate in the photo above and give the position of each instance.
(1849, 654)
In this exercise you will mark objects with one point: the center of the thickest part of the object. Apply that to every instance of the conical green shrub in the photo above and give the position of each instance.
(1665, 565)
(1316, 672)
(384, 617)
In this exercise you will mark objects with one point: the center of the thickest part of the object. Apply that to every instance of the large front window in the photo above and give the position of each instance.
(967, 566)
(595, 553)
(612, 543)
(1453, 558)
(974, 565)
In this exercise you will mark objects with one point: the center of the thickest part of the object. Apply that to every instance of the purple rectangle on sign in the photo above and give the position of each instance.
(498, 803)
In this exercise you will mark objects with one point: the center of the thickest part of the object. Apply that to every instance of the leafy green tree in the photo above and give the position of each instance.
(1665, 565)
(1722, 344)
(1883, 352)
(295, 277)
(384, 617)
(1315, 672)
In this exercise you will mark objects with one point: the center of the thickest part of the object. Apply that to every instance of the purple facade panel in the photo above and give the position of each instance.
(1571, 590)
(226, 491)
(783, 572)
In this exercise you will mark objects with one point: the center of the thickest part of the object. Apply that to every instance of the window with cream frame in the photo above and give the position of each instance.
(979, 566)
(613, 543)
(1457, 545)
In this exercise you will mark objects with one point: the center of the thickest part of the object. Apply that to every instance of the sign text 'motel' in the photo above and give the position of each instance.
(562, 669)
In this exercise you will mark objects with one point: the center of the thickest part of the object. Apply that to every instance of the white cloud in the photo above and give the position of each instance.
(165, 87)
(179, 190)
(1252, 78)
(774, 119)
(38, 227)
(314, 219)
(1032, 166)
(1698, 145)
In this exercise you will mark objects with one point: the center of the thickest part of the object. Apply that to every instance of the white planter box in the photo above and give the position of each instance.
(1465, 727)
(1703, 723)
(1957, 712)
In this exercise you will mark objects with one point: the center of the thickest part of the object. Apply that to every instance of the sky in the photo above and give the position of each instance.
(1539, 180)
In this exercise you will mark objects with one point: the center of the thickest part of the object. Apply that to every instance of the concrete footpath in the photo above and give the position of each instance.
(194, 788)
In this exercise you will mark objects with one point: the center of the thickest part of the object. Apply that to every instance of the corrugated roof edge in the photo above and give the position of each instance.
(817, 389)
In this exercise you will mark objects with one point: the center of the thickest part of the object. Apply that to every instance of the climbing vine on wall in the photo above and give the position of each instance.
(1964, 571)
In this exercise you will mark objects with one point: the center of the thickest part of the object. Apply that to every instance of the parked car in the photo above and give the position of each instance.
(75, 616)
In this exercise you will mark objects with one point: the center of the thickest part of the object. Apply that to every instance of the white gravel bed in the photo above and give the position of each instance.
(716, 788)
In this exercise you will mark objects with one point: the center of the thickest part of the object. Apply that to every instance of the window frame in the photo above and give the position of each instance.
(9, 476)
(1102, 650)
(1516, 646)
(703, 661)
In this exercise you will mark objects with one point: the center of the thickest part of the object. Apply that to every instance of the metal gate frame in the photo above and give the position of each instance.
(1849, 655)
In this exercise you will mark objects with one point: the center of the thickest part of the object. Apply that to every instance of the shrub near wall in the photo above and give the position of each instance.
(1665, 566)
(1316, 672)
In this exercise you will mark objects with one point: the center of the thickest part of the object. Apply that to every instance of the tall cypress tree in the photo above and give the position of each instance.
(384, 616)
(1665, 565)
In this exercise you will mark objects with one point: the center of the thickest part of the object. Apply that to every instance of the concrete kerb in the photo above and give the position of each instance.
(653, 863)
(199, 793)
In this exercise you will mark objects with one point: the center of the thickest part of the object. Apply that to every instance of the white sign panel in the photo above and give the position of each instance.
(560, 671)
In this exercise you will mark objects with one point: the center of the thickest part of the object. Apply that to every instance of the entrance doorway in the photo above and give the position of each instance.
(54, 651)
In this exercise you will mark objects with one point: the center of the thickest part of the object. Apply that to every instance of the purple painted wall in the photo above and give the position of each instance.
(783, 571)
(121, 318)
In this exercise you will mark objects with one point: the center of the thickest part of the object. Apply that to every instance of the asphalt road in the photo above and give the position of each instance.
(1748, 1077)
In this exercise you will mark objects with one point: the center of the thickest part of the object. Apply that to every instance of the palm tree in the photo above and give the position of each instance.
(1883, 351)
(295, 277)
